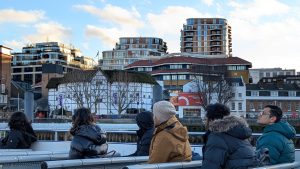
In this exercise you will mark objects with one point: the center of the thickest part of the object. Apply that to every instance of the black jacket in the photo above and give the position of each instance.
(89, 141)
(227, 145)
(16, 139)
(145, 122)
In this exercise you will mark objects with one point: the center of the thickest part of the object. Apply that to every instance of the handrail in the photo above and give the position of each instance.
(30, 153)
(32, 158)
(171, 165)
(92, 162)
(294, 165)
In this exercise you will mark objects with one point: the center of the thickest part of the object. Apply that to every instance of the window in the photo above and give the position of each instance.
(260, 106)
(240, 106)
(166, 77)
(254, 93)
(181, 77)
(289, 107)
(292, 93)
(232, 106)
(174, 77)
(252, 107)
(274, 93)
(267, 74)
(191, 112)
(240, 95)
(233, 95)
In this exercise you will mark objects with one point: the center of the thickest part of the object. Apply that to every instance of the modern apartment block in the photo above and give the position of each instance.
(257, 74)
(27, 65)
(5, 71)
(206, 36)
(131, 49)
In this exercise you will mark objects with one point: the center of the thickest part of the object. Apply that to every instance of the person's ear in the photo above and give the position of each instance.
(273, 119)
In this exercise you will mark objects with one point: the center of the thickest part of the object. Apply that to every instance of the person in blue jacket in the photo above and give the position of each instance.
(145, 122)
(277, 136)
(226, 144)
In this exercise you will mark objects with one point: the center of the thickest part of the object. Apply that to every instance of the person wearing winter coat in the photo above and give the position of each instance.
(226, 145)
(145, 122)
(170, 140)
(21, 134)
(277, 136)
(89, 141)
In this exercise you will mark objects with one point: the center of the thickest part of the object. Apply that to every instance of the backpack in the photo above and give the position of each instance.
(262, 157)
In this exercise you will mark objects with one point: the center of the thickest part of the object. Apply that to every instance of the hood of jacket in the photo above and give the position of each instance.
(281, 127)
(91, 132)
(145, 120)
(231, 125)
(174, 127)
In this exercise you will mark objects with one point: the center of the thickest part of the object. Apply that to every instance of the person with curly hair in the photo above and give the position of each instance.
(21, 134)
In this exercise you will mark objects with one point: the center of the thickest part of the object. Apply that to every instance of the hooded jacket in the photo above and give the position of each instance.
(277, 138)
(17, 139)
(227, 146)
(170, 143)
(146, 128)
(89, 141)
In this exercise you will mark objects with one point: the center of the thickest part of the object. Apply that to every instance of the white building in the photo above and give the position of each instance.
(257, 74)
(189, 104)
(103, 91)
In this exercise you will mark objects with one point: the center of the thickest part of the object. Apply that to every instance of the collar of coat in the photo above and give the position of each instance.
(227, 123)
(164, 125)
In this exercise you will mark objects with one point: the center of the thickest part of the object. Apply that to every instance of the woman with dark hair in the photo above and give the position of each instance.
(226, 143)
(89, 141)
(21, 134)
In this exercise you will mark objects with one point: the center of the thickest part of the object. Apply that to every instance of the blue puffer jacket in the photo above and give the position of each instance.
(277, 138)
(227, 145)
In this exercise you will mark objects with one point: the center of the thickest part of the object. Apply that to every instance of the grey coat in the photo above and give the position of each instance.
(227, 146)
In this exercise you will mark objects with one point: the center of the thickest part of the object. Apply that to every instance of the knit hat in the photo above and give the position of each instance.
(163, 110)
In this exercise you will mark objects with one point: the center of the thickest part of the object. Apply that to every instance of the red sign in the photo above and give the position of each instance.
(189, 99)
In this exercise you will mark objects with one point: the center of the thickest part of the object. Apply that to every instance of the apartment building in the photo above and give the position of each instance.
(5, 71)
(257, 74)
(27, 65)
(175, 70)
(206, 36)
(131, 49)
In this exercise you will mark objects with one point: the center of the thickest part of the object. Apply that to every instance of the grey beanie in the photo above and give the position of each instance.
(163, 110)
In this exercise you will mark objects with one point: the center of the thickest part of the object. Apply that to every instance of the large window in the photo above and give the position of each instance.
(232, 106)
(166, 77)
(191, 112)
(240, 106)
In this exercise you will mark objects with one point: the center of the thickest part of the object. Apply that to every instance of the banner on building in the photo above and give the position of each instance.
(189, 99)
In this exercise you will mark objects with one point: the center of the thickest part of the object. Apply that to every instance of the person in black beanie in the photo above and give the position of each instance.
(226, 143)
(145, 122)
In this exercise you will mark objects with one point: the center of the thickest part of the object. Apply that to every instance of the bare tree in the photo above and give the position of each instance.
(125, 90)
(211, 84)
(85, 88)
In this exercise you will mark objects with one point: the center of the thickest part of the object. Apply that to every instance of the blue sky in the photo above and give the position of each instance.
(264, 32)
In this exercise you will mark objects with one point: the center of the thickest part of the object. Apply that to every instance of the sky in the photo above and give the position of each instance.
(264, 32)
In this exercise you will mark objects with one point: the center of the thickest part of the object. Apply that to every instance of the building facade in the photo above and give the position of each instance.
(257, 74)
(286, 96)
(177, 70)
(27, 65)
(5, 73)
(131, 49)
(207, 36)
(104, 92)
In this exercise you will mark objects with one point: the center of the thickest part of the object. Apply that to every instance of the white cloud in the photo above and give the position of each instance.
(256, 9)
(108, 36)
(208, 2)
(51, 31)
(270, 42)
(169, 22)
(19, 16)
(115, 14)
(14, 44)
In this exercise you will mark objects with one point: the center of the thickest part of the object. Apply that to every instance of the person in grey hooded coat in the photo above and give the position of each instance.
(227, 144)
